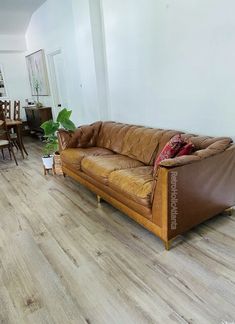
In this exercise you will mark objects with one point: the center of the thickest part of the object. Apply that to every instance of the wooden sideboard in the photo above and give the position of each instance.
(36, 116)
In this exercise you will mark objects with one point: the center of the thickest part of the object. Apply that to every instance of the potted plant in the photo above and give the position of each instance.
(37, 87)
(50, 129)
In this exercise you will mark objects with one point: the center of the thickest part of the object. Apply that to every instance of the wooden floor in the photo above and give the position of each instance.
(65, 260)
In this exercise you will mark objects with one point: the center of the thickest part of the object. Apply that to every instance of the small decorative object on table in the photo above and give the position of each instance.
(51, 157)
(37, 88)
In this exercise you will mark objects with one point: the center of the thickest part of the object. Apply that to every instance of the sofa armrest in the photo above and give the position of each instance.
(211, 150)
(84, 136)
(194, 192)
(63, 139)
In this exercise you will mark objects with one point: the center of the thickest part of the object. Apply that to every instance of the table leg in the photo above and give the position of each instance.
(19, 139)
(22, 143)
(24, 148)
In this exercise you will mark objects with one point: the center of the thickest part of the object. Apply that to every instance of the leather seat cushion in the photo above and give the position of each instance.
(135, 183)
(100, 167)
(74, 156)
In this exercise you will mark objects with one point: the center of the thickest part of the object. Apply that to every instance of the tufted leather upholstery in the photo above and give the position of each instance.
(135, 146)
(209, 147)
(142, 143)
(84, 136)
(137, 142)
(115, 161)
(135, 183)
(111, 136)
(63, 139)
(100, 167)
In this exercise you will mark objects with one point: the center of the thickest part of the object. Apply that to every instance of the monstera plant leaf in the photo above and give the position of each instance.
(63, 115)
(68, 124)
(50, 127)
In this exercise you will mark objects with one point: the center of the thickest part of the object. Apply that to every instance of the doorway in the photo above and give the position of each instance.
(58, 81)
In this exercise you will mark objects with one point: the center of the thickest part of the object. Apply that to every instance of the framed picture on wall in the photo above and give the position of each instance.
(38, 77)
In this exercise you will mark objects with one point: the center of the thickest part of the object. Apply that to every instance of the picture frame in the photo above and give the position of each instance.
(37, 71)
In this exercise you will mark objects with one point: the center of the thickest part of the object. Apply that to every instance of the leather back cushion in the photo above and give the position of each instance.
(111, 136)
(203, 142)
(85, 136)
(145, 144)
(137, 142)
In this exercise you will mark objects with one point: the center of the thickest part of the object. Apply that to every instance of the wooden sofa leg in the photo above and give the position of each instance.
(98, 199)
(167, 245)
(229, 211)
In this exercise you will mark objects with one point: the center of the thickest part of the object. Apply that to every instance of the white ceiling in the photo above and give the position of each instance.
(15, 15)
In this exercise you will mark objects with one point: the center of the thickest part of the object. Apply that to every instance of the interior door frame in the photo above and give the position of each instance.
(52, 72)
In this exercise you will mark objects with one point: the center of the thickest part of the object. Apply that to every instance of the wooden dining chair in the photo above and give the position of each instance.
(2, 105)
(6, 106)
(5, 141)
(16, 110)
(16, 116)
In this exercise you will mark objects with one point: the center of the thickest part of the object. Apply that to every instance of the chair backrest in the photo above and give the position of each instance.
(3, 126)
(1, 104)
(2, 114)
(16, 110)
(6, 106)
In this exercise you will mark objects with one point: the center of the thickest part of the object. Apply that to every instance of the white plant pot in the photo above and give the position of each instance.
(48, 162)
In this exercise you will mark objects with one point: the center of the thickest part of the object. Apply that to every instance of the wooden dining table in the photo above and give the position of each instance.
(17, 126)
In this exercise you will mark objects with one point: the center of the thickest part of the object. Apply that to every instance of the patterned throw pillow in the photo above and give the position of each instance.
(187, 149)
(170, 150)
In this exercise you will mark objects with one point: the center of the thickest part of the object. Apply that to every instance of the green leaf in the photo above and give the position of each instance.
(50, 127)
(63, 115)
(51, 145)
(68, 124)
(51, 138)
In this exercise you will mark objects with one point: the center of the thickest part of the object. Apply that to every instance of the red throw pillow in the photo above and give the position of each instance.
(186, 149)
(170, 150)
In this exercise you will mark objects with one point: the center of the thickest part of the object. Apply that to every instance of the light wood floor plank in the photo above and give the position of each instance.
(63, 259)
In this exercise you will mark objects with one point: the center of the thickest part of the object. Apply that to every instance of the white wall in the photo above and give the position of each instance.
(100, 59)
(54, 26)
(15, 43)
(12, 60)
(51, 28)
(16, 77)
(86, 60)
(171, 63)
(161, 63)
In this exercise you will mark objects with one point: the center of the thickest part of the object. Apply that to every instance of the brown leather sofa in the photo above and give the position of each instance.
(115, 161)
